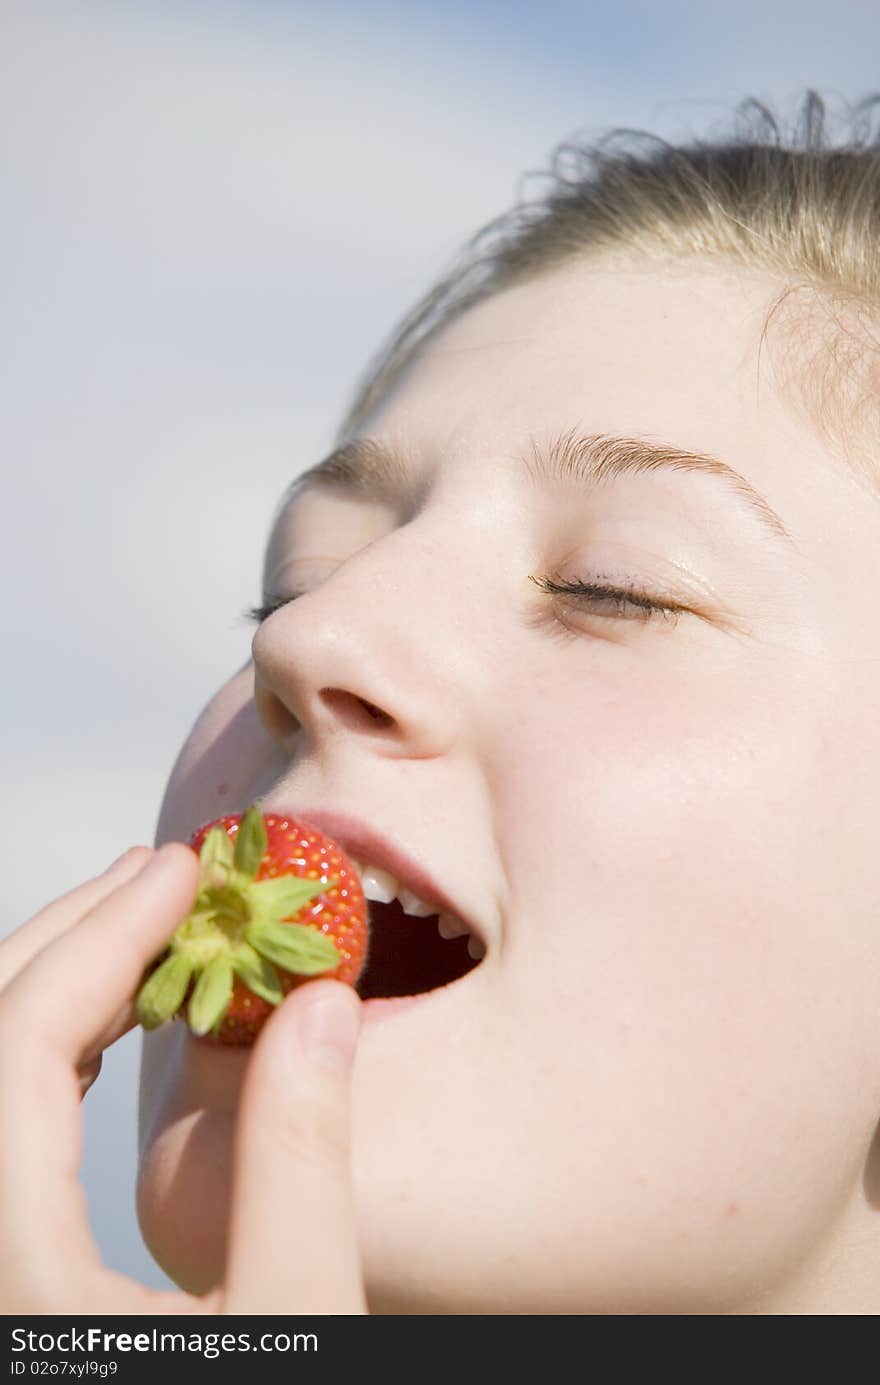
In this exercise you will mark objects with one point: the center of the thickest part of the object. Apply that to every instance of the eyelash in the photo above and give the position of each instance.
(591, 593)
(623, 598)
(257, 614)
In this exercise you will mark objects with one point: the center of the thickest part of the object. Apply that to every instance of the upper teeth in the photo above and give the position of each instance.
(381, 886)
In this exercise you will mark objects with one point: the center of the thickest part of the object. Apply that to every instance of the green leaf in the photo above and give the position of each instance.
(215, 859)
(251, 842)
(211, 997)
(161, 995)
(258, 974)
(294, 947)
(199, 922)
(273, 900)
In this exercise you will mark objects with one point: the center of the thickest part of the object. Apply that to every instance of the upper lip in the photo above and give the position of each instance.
(366, 845)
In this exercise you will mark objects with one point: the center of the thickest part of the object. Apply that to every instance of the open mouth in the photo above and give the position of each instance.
(407, 956)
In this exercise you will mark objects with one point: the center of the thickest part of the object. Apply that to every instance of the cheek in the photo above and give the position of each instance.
(184, 1177)
(679, 899)
(224, 759)
(698, 837)
(184, 1194)
(190, 1101)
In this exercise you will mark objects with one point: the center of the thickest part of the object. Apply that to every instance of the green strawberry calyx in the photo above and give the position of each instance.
(236, 928)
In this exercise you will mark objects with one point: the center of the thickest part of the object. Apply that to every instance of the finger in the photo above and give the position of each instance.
(71, 991)
(31, 937)
(49, 1016)
(88, 1074)
(125, 1019)
(292, 1238)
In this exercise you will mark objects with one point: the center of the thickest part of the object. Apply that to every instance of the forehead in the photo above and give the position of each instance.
(674, 353)
(663, 350)
(671, 351)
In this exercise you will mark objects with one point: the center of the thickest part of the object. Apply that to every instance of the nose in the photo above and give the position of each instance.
(370, 652)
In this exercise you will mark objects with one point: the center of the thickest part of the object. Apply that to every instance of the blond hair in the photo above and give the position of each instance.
(800, 205)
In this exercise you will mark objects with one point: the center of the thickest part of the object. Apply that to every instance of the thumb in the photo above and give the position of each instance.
(292, 1237)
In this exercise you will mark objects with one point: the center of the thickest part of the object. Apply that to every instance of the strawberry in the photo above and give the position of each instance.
(278, 902)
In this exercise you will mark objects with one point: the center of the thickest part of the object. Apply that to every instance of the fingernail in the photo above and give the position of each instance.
(329, 1026)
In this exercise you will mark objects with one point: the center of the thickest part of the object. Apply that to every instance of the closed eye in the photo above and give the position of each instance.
(622, 600)
(257, 614)
(628, 602)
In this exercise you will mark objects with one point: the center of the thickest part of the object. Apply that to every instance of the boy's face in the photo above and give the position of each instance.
(658, 1090)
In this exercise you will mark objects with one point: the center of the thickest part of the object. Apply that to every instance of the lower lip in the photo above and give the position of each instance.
(373, 1012)
(381, 1008)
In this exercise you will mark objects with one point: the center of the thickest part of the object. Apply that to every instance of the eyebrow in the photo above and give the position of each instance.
(372, 470)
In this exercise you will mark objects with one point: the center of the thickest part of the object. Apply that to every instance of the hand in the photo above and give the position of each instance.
(67, 978)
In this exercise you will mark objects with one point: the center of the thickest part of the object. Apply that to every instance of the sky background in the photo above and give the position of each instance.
(213, 215)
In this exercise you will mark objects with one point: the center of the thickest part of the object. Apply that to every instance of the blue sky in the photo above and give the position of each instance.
(213, 215)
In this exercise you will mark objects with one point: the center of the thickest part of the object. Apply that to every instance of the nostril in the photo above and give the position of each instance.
(377, 713)
(273, 713)
(347, 706)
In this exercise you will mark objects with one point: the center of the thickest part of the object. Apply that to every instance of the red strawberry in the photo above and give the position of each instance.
(278, 903)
